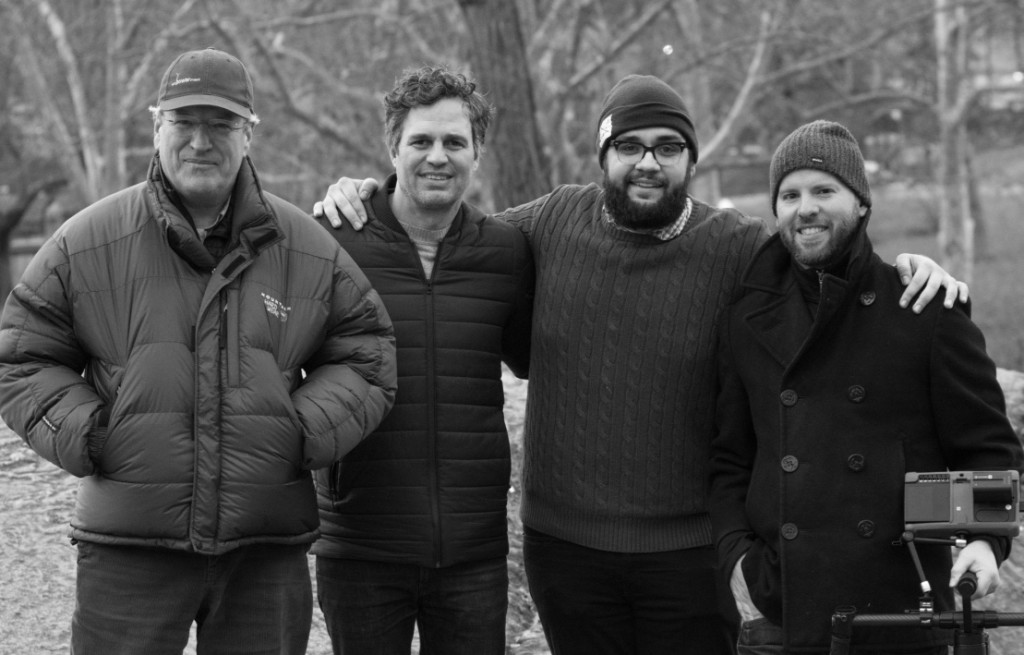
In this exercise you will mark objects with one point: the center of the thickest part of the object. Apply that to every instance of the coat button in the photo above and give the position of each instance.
(856, 393)
(866, 529)
(790, 463)
(788, 397)
(789, 531)
(855, 462)
(867, 298)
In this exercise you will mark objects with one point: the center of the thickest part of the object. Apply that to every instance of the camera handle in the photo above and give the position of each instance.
(910, 540)
(969, 637)
(968, 627)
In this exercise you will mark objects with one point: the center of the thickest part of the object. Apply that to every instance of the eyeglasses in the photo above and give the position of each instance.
(216, 127)
(631, 152)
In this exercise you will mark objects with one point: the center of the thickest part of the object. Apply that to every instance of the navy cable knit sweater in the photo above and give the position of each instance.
(622, 372)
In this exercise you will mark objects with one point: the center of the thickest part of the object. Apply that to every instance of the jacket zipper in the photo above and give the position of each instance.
(435, 489)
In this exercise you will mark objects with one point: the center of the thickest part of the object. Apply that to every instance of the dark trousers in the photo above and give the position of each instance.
(762, 637)
(594, 602)
(370, 608)
(255, 599)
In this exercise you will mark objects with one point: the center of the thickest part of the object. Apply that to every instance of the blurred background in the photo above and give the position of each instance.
(933, 89)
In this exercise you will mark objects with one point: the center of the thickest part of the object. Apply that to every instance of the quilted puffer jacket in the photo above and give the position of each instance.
(430, 486)
(194, 396)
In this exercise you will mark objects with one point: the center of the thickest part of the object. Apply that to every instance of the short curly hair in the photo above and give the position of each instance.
(423, 87)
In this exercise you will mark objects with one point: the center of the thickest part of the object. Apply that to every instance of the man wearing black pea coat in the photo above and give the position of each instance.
(829, 394)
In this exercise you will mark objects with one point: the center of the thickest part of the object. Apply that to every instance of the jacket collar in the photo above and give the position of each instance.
(769, 270)
(254, 225)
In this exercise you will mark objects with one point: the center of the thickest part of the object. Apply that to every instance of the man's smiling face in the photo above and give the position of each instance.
(435, 157)
(201, 162)
(817, 216)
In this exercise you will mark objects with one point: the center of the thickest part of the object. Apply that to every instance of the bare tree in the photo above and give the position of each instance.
(498, 59)
(14, 204)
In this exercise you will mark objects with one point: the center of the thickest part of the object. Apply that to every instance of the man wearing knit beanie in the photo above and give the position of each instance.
(826, 148)
(632, 276)
(646, 192)
(825, 381)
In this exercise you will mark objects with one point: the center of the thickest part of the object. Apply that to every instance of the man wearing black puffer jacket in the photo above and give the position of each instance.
(414, 518)
(192, 347)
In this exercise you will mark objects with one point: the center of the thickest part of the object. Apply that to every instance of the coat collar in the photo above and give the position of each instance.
(254, 225)
(777, 314)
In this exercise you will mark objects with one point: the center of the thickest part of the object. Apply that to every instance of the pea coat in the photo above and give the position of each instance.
(819, 416)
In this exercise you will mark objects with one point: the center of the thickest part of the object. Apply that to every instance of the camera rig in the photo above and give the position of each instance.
(947, 507)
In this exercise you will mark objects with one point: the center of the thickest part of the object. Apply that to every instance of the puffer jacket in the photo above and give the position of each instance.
(193, 396)
(430, 486)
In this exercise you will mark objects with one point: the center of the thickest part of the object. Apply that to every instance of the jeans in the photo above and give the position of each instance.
(370, 608)
(256, 599)
(593, 602)
(762, 637)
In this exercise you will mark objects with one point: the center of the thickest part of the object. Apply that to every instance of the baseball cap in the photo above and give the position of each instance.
(207, 77)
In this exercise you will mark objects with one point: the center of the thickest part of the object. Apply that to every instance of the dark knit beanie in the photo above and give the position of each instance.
(639, 101)
(824, 146)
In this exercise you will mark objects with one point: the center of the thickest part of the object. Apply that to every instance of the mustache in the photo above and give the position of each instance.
(647, 177)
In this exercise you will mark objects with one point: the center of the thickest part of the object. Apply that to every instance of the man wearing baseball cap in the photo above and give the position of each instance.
(192, 347)
(829, 395)
(631, 277)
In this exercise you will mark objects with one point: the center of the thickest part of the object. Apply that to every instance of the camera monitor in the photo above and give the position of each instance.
(948, 504)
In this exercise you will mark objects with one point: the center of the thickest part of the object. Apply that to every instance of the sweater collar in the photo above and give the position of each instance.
(663, 233)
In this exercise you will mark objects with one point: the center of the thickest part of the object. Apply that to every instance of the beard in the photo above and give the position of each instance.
(635, 216)
(843, 234)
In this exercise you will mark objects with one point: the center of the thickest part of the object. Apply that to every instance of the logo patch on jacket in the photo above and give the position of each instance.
(276, 308)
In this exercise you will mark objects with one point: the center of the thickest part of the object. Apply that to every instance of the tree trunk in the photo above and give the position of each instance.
(13, 207)
(516, 166)
(947, 172)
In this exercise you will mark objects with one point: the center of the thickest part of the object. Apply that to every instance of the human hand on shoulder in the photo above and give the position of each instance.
(345, 198)
(924, 278)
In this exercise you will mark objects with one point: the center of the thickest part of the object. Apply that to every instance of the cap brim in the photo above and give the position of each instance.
(207, 100)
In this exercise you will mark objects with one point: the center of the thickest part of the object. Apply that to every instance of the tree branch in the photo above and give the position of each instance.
(742, 99)
(629, 33)
(318, 122)
(45, 97)
(90, 153)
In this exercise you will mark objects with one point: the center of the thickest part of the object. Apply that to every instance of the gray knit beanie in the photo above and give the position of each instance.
(824, 146)
(639, 101)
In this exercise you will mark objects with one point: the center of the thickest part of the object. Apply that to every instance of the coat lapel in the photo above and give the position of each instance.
(780, 326)
(779, 320)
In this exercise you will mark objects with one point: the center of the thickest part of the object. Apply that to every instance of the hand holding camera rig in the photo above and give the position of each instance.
(948, 507)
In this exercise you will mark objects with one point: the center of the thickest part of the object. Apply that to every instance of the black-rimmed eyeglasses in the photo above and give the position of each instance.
(666, 154)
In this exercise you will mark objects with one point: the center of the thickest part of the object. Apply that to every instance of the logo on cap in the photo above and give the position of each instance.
(183, 80)
(207, 77)
(605, 131)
